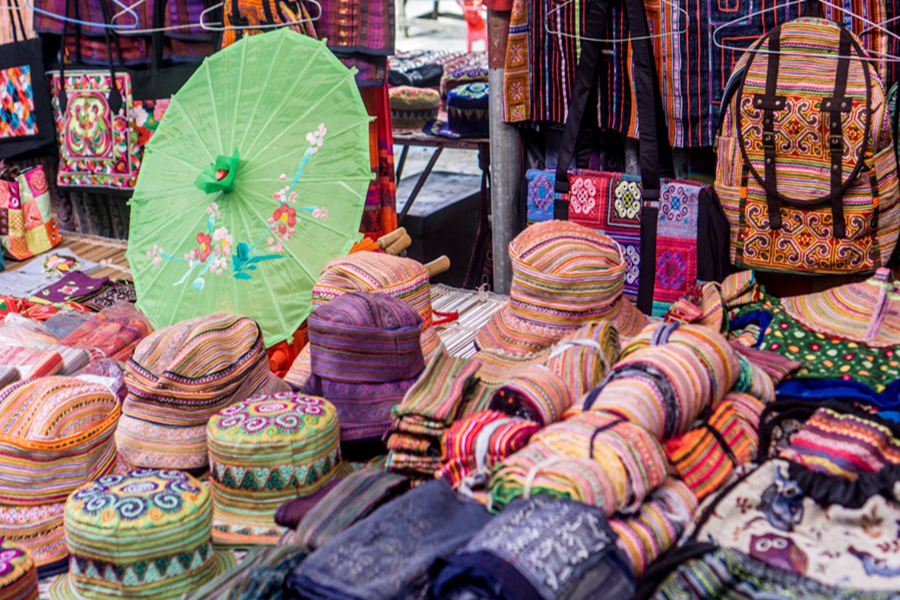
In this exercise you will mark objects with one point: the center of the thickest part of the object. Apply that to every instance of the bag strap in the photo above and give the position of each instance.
(17, 10)
(114, 98)
(770, 102)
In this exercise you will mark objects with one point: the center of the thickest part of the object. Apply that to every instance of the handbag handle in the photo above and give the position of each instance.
(651, 117)
(114, 98)
(15, 8)
(831, 109)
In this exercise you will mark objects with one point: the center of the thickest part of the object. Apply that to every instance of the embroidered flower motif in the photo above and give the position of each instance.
(583, 196)
(204, 247)
(285, 218)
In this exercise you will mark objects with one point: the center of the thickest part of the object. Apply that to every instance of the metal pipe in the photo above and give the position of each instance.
(506, 155)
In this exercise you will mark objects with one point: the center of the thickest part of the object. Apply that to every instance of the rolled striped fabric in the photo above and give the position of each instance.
(56, 434)
(402, 278)
(536, 394)
(263, 452)
(564, 275)
(143, 534)
(18, 573)
(179, 377)
(474, 445)
(365, 356)
(706, 457)
(657, 525)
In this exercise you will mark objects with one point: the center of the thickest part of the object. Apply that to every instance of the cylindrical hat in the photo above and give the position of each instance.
(18, 573)
(143, 534)
(264, 452)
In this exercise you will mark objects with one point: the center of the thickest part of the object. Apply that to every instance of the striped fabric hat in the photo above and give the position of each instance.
(564, 275)
(18, 573)
(143, 534)
(56, 434)
(179, 377)
(264, 452)
(402, 278)
(867, 312)
(365, 355)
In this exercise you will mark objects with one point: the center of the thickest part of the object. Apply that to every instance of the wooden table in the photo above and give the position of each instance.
(439, 143)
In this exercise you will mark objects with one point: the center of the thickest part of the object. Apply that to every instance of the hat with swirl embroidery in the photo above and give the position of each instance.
(18, 573)
(402, 278)
(143, 534)
(179, 377)
(264, 452)
(56, 434)
(564, 275)
(467, 112)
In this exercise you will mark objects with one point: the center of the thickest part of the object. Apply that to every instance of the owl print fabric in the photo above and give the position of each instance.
(783, 515)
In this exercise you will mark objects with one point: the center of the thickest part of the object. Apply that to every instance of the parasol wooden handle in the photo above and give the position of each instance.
(388, 239)
(399, 246)
(438, 266)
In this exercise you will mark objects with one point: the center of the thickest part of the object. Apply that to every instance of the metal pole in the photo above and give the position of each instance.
(506, 155)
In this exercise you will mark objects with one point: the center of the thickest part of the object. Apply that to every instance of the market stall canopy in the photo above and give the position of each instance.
(255, 179)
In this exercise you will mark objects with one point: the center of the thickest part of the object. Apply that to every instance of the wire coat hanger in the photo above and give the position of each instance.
(139, 3)
(53, 15)
(869, 56)
(211, 27)
(615, 41)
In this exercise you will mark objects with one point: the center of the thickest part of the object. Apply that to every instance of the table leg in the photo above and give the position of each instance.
(419, 184)
(401, 163)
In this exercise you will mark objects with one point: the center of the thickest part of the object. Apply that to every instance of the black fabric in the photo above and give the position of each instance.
(660, 570)
(29, 52)
(836, 106)
(827, 489)
(713, 238)
(770, 102)
(161, 81)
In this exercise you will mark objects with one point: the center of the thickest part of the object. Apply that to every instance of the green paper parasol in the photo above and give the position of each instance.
(255, 179)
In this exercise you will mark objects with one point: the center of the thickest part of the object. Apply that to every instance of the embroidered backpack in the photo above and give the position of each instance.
(807, 173)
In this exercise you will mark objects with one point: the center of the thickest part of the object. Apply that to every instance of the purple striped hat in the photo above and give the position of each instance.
(365, 353)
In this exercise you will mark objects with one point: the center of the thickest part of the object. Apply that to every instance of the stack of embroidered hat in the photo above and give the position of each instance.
(263, 452)
(18, 573)
(564, 275)
(178, 378)
(402, 278)
(142, 534)
(365, 356)
(56, 434)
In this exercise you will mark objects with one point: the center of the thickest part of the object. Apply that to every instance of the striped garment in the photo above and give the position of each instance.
(263, 452)
(472, 446)
(73, 359)
(655, 528)
(31, 362)
(56, 434)
(706, 457)
(182, 375)
(564, 275)
(402, 278)
(113, 333)
(351, 500)
(142, 534)
(535, 393)
(365, 355)
(18, 573)
(845, 445)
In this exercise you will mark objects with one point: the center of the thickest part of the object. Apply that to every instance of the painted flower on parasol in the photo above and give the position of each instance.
(254, 181)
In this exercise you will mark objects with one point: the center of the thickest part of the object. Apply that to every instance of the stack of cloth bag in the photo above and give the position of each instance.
(403, 278)
(112, 333)
(365, 354)
(428, 409)
(178, 378)
(56, 434)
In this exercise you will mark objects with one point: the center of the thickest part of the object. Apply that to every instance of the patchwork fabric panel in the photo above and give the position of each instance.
(17, 117)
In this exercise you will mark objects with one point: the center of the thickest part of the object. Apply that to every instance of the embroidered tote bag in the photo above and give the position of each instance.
(672, 232)
(27, 224)
(26, 120)
(94, 109)
(808, 175)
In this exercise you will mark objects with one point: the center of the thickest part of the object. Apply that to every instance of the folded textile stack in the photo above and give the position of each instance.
(402, 278)
(73, 359)
(474, 445)
(18, 573)
(112, 333)
(120, 292)
(348, 501)
(365, 354)
(42, 271)
(182, 375)
(596, 458)
(31, 362)
(56, 434)
(8, 375)
(65, 322)
(388, 554)
(73, 287)
(542, 548)
(427, 411)
(263, 452)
